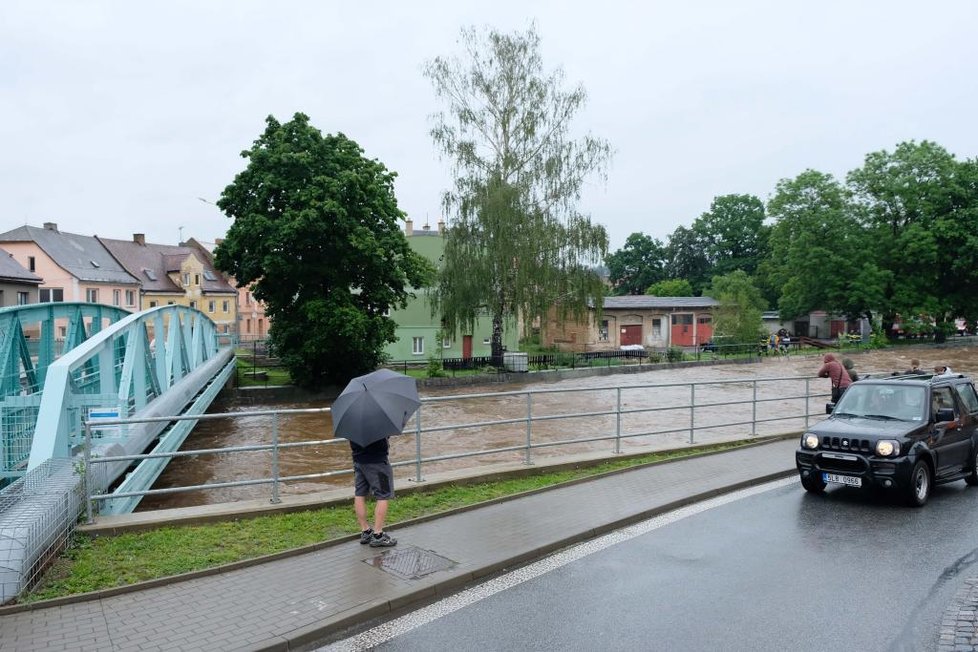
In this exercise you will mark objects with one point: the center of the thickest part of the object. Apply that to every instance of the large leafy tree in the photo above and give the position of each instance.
(915, 204)
(733, 234)
(686, 258)
(671, 287)
(738, 316)
(821, 258)
(318, 231)
(637, 265)
(517, 244)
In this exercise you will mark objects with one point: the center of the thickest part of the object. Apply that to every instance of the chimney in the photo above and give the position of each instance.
(426, 227)
(409, 226)
(139, 238)
(441, 226)
(50, 226)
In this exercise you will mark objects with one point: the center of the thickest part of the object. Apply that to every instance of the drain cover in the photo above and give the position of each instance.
(410, 563)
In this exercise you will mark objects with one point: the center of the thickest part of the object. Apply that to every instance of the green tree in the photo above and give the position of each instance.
(733, 233)
(914, 202)
(517, 245)
(739, 314)
(821, 257)
(317, 229)
(637, 265)
(686, 256)
(673, 287)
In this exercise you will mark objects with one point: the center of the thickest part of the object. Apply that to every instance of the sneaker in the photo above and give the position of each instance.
(366, 535)
(382, 540)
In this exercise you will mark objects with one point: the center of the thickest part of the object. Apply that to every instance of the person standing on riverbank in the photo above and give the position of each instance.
(837, 375)
(372, 474)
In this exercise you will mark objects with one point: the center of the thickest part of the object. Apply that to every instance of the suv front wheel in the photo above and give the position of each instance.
(920, 484)
(813, 483)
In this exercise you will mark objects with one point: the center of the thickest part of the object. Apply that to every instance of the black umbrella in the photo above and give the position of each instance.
(375, 406)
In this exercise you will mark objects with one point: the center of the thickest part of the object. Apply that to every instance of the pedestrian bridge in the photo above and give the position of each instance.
(65, 365)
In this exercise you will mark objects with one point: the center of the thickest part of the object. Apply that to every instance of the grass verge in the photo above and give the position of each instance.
(104, 562)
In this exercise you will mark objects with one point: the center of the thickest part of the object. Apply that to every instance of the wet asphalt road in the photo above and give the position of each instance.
(780, 570)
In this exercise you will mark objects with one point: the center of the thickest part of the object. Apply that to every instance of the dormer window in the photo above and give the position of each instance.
(150, 274)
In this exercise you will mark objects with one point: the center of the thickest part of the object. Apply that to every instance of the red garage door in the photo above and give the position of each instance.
(631, 335)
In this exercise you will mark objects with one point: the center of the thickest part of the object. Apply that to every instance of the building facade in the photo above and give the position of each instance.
(637, 320)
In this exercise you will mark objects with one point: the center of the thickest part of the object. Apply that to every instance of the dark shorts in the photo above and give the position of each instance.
(374, 478)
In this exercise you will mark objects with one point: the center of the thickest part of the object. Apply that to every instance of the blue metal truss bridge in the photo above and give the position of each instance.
(65, 364)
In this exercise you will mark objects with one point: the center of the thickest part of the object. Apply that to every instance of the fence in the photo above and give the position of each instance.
(526, 423)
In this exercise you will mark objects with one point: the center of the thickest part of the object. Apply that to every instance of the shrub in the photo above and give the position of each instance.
(675, 354)
(434, 370)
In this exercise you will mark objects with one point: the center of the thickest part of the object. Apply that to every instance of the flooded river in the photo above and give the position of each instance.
(644, 410)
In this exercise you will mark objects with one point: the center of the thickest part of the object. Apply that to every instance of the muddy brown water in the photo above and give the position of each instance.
(645, 410)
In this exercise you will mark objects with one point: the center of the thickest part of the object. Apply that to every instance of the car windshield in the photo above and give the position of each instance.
(883, 402)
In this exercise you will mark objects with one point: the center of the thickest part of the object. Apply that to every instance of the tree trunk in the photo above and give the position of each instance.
(497, 340)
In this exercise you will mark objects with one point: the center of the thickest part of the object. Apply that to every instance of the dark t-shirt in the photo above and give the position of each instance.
(375, 452)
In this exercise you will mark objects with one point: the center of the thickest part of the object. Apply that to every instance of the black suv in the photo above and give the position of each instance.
(897, 433)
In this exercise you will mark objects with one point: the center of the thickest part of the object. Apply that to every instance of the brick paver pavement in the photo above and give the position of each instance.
(293, 602)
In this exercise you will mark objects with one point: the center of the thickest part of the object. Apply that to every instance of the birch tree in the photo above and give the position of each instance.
(517, 245)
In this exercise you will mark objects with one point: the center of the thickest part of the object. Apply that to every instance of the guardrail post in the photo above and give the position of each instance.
(618, 424)
(417, 446)
(529, 428)
(275, 472)
(89, 516)
(753, 416)
(807, 406)
(692, 410)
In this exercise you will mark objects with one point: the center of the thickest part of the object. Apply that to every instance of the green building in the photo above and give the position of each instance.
(417, 330)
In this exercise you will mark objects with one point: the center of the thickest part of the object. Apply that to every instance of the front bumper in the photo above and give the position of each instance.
(882, 472)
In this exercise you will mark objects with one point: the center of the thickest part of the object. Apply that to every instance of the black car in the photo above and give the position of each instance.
(899, 434)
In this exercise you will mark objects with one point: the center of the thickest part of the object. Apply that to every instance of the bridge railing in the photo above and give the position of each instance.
(692, 413)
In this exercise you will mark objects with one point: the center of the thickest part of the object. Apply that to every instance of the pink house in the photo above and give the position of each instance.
(73, 267)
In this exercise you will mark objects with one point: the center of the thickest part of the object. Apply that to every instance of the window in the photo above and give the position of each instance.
(130, 297)
(23, 298)
(603, 331)
(967, 394)
(210, 305)
(657, 329)
(52, 295)
(63, 331)
(247, 298)
(153, 304)
(150, 274)
(193, 304)
(186, 279)
(196, 279)
(31, 264)
(208, 275)
(169, 303)
(446, 343)
(225, 305)
(91, 295)
(116, 297)
(248, 326)
(417, 345)
(485, 340)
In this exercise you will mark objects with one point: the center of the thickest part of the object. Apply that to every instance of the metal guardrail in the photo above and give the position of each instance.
(689, 408)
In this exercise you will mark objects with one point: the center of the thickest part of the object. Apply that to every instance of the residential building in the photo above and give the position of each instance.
(419, 334)
(643, 320)
(176, 274)
(72, 267)
(252, 322)
(18, 285)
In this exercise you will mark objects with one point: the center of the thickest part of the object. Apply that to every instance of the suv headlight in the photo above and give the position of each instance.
(808, 440)
(887, 448)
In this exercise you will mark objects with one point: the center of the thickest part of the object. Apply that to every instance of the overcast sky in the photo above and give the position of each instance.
(115, 117)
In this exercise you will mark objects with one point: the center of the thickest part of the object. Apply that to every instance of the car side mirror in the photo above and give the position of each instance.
(829, 408)
(945, 414)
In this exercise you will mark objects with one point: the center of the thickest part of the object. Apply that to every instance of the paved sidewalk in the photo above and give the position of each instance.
(294, 602)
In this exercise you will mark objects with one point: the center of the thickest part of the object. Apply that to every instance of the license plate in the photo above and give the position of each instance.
(847, 480)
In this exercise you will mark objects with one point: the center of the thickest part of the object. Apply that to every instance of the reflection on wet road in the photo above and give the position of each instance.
(656, 418)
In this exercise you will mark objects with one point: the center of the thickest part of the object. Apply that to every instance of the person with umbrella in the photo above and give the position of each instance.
(369, 410)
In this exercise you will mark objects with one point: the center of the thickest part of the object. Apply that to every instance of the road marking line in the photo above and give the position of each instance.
(389, 630)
